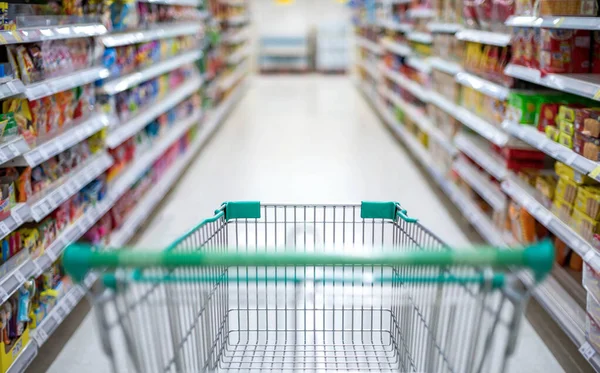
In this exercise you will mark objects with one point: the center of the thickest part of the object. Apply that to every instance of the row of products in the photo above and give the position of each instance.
(42, 119)
(26, 183)
(132, 15)
(34, 238)
(33, 62)
(129, 102)
(129, 58)
(570, 120)
(488, 61)
(222, 10)
(99, 234)
(557, 51)
(132, 148)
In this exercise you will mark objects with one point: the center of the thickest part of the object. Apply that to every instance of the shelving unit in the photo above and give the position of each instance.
(470, 152)
(17, 152)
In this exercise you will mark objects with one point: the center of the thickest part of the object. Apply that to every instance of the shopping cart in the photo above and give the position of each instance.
(309, 288)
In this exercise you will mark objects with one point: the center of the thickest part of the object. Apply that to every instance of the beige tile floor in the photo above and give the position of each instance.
(297, 139)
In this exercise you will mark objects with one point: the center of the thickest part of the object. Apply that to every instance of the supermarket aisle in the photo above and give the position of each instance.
(297, 139)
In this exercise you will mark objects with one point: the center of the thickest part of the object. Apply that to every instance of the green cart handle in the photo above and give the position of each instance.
(78, 259)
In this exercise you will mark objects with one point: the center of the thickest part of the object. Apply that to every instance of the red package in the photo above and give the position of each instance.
(547, 115)
(565, 51)
(522, 154)
(596, 52)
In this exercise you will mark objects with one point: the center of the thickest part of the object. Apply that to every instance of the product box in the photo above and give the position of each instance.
(588, 201)
(568, 7)
(10, 353)
(565, 51)
(587, 121)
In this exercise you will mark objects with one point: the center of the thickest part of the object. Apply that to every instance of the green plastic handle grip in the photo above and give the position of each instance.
(79, 259)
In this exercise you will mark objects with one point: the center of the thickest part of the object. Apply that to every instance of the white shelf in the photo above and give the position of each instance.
(11, 88)
(483, 157)
(421, 119)
(538, 140)
(419, 37)
(62, 83)
(485, 37)
(369, 45)
(468, 208)
(447, 28)
(578, 23)
(230, 80)
(585, 85)
(395, 26)
(194, 3)
(448, 67)
(33, 34)
(18, 215)
(407, 84)
(145, 207)
(239, 55)
(159, 31)
(237, 20)
(72, 184)
(484, 86)
(60, 143)
(123, 131)
(482, 127)
(525, 196)
(370, 68)
(25, 358)
(12, 281)
(420, 13)
(400, 49)
(12, 149)
(419, 64)
(482, 186)
(237, 37)
(123, 83)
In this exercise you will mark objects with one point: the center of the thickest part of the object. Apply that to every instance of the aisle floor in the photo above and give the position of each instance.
(301, 139)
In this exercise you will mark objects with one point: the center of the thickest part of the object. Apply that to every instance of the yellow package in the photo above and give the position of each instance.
(566, 140)
(562, 208)
(566, 113)
(588, 201)
(552, 133)
(567, 172)
(584, 225)
(566, 127)
(566, 190)
(547, 187)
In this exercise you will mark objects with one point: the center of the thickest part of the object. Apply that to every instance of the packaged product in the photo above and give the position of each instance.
(569, 173)
(561, 208)
(596, 52)
(522, 223)
(568, 129)
(19, 107)
(566, 190)
(547, 115)
(591, 147)
(588, 201)
(522, 106)
(561, 251)
(567, 8)
(565, 139)
(587, 121)
(546, 185)
(584, 225)
(552, 132)
(565, 51)
(575, 262)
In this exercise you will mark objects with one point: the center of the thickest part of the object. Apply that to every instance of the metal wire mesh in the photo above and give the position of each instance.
(295, 321)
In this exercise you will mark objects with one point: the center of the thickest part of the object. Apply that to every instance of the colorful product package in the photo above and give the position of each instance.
(584, 225)
(566, 190)
(565, 51)
(588, 201)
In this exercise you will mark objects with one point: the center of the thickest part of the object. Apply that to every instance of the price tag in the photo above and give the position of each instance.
(38, 268)
(13, 149)
(587, 351)
(4, 229)
(589, 255)
(41, 336)
(43, 152)
(17, 218)
(19, 276)
(595, 173)
(3, 157)
(51, 255)
(11, 87)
